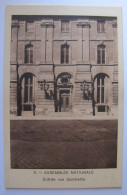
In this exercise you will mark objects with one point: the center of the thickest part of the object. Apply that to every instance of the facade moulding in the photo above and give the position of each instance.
(13, 63)
(14, 24)
(65, 64)
(114, 24)
(102, 65)
(46, 63)
(24, 64)
(33, 40)
(83, 63)
(83, 24)
(105, 40)
(47, 24)
(68, 39)
(13, 81)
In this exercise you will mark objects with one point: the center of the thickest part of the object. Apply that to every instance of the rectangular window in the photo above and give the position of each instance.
(30, 26)
(65, 54)
(28, 54)
(31, 56)
(100, 90)
(28, 89)
(62, 55)
(27, 108)
(65, 26)
(101, 54)
(100, 26)
(31, 93)
(101, 108)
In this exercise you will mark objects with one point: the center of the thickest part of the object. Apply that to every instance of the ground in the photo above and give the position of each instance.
(63, 144)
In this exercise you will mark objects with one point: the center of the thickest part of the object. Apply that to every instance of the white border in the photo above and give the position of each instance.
(15, 178)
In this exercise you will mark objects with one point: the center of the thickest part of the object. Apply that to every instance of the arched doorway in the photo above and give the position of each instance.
(64, 92)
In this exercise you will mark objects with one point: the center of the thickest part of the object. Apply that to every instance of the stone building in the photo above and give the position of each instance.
(63, 64)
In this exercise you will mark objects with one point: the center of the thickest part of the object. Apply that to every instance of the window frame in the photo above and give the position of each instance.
(27, 28)
(101, 54)
(101, 26)
(101, 89)
(29, 54)
(28, 88)
(65, 26)
(27, 92)
(65, 54)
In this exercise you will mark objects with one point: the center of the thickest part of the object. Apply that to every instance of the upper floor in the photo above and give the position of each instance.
(64, 39)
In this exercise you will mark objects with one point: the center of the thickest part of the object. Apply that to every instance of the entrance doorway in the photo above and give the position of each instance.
(65, 103)
(64, 93)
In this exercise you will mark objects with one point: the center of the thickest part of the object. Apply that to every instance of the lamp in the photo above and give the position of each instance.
(44, 86)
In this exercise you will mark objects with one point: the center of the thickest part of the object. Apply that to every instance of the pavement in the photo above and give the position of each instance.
(62, 144)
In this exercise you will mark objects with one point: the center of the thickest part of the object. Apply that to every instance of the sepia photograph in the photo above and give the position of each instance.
(64, 66)
(64, 92)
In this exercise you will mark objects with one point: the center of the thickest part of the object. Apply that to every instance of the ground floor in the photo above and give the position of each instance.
(43, 144)
(48, 90)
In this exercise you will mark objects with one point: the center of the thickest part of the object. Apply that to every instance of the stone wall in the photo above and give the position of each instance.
(46, 37)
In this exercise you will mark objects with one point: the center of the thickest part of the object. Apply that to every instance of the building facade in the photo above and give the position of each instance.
(63, 64)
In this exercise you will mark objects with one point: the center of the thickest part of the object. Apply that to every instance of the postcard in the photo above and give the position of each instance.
(63, 97)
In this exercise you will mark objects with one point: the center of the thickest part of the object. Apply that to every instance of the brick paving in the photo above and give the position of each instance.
(78, 144)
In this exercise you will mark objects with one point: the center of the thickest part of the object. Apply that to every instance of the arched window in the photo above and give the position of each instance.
(65, 54)
(100, 88)
(102, 91)
(29, 53)
(101, 54)
(27, 92)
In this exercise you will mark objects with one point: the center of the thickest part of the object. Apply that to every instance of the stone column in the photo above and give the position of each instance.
(43, 42)
(115, 72)
(86, 44)
(49, 43)
(14, 68)
(79, 45)
(115, 46)
(14, 42)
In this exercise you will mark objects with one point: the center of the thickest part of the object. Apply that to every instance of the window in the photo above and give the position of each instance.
(101, 54)
(100, 26)
(101, 108)
(29, 54)
(65, 26)
(100, 88)
(64, 54)
(28, 88)
(30, 26)
(27, 92)
(102, 92)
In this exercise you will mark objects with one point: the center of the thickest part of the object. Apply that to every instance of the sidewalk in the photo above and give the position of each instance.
(67, 117)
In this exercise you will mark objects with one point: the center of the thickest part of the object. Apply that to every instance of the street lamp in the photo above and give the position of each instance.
(48, 93)
(85, 87)
(44, 86)
(88, 92)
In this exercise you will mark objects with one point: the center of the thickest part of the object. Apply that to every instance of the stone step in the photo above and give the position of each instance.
(61, 114)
